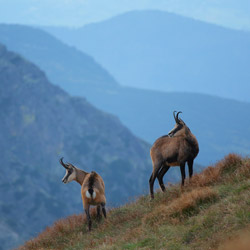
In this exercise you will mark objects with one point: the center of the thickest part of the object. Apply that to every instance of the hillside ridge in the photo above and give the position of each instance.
(212, 209)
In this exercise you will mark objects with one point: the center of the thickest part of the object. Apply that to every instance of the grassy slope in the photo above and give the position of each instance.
(209, 211)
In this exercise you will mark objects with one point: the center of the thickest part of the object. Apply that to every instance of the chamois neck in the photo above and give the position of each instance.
(192, 140)
(80, 175)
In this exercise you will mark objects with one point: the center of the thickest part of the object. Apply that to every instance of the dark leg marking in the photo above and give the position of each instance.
(190, 168)
(183, 174)
(104, 210)
(160, 175)
(88, 218)
(98, 209)
(151, 182)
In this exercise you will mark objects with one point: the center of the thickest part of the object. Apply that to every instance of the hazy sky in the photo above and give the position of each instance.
(231, 13)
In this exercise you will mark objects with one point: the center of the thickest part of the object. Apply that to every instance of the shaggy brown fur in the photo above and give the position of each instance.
(92, 189)
(169, 151)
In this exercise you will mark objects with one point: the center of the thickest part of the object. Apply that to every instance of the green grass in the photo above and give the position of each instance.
(207, 212)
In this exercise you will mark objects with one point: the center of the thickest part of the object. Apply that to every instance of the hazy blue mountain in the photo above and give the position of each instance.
(163, 51)
(41, 123)
(72, 13)
(221, 125)
(63, 64)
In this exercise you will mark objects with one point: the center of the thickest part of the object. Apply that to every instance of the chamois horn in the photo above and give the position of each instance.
(63, 164)
(177, 118)
(174, 115)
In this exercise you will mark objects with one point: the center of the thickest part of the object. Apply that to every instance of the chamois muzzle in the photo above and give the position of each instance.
(64, 180)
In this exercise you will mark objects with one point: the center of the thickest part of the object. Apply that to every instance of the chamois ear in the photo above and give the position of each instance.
(63, 164)
(71, 165)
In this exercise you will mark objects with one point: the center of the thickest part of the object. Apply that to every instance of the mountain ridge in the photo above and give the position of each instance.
(37, 45)
(167, 52)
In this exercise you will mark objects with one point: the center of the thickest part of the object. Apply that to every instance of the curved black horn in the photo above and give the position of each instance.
(174, 115)
(177, 116)
(63, 164)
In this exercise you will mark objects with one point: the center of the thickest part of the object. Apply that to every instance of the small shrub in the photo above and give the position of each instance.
(227, 166)
(190, 203)
(230, 163)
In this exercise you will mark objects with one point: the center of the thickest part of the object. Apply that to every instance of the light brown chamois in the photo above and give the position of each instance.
(175, 149)
(92, 189)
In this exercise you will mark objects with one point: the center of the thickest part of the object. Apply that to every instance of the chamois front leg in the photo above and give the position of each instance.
(190, 168)
(98, 210)
(152, 179)
(160, 175)
(104, 210)
(183, 174)
(151, 185)
(88, 217)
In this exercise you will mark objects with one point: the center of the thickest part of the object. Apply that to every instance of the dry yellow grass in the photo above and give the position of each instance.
(214, 173)
(185, 205)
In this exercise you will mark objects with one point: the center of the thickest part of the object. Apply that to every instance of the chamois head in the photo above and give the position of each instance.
(178, 126)
(70, 172)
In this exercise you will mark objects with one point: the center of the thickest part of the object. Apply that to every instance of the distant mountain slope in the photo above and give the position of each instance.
(163, 51)
(61, 63)
(221, 125)
(41, 123)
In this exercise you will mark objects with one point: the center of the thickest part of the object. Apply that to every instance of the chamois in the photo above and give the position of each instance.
(92, 189)
(175, 149)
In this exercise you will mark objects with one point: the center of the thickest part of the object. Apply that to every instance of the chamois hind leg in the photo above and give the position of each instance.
(98, 210)
(183, 174)
(88, 217)
(152, 180)
(160, 175)
(103, 209)
(190, 168)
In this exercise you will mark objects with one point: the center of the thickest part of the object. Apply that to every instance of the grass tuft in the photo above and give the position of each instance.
(187, 204)
(223, 170)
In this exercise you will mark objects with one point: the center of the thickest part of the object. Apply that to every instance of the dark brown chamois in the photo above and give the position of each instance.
(92, 189)
(175, 149)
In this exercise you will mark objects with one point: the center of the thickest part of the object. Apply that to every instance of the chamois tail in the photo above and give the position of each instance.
(90, 193)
